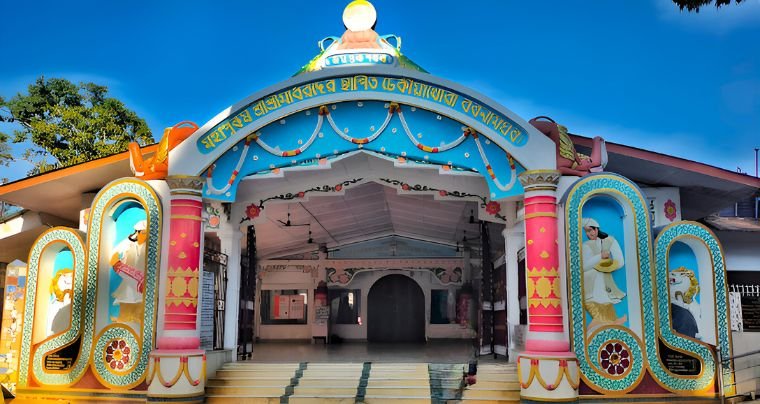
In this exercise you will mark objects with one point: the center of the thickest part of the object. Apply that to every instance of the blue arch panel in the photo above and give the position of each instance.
(397, 131)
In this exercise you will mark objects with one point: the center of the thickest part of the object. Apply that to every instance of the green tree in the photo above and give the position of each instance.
(69, 124)
(694, 5)
(5, 150)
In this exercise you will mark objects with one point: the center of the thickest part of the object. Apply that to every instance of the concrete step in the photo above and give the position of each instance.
(212, 399)
(255, 383)
(255, 374)
(267, 365)
(245, 381)
(321, 400)
(246, 391)
(475, 393)
(373, 382)
(309, 382)
(497, 385)
(327, 391)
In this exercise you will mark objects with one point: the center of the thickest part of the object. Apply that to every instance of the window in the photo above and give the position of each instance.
(439, 307)
(284, 306)
(345, 306)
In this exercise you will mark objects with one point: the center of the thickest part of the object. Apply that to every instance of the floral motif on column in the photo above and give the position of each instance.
(542, 252)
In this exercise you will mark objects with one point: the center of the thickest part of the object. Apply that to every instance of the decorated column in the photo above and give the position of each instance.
(230, 243)
(514, 238)
(177, 368)
(546, 370)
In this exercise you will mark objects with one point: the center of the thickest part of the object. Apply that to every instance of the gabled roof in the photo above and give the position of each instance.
(704, 189)
(59, 192)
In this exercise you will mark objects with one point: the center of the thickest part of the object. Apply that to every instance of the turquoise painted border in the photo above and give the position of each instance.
(113, 332)
(665, 239)
(58, 235)
(84, 300)
(616, 186)
(141, 192)
(653, 284)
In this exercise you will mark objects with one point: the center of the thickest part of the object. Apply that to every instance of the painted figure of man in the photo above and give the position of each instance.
(128, 261)
(601, 256)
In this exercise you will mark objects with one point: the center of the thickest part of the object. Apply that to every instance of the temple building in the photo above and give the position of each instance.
(366, 201)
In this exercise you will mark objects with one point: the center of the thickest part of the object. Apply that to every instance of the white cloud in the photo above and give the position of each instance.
(716, 20)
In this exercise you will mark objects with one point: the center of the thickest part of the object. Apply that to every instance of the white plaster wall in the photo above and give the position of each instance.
(748, 368)
(286, 280)
(215, 360)
(741, 249)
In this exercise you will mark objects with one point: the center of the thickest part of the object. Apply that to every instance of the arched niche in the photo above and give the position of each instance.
(125, 213)
(610, 284)
(693, 244)
(691, 287)
(51, 338)
(55, 282)
(122, 262)
(615, 202)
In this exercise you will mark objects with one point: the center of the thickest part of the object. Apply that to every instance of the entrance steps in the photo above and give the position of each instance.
(368, 382)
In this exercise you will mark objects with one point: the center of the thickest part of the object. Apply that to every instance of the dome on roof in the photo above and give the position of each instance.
(359, 45)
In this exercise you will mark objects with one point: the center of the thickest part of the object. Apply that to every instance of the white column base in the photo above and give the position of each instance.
(548, 376)
(174, 374)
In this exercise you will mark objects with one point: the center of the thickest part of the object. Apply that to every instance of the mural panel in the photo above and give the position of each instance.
(604, 272)
(683, 286)
(612, 358)
(50, 343)
(98, 309)
(126, 266)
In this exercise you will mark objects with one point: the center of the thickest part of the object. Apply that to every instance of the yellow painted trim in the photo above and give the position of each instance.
(535, 373)
(540, 214)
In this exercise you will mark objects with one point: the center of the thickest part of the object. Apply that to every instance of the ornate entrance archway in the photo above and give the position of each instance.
(396, 310)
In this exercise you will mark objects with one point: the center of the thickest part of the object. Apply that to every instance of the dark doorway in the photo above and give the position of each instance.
(396, 310)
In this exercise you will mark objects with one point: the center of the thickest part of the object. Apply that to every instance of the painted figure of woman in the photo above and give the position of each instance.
(601, 256)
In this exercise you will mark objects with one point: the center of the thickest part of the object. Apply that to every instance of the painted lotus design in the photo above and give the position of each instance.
(615, 358)
(117, 355)
(670, 210)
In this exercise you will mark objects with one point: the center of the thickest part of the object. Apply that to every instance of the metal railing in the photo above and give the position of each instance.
(746, 369)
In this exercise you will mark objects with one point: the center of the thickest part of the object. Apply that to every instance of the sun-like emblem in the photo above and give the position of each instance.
(615, 358)
(118, 355)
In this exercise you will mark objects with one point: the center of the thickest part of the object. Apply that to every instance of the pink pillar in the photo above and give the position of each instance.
(545, 322)
(183, 274)
(178, 346)
(547, 347)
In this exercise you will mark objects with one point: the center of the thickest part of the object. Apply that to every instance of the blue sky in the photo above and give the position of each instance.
(641, 73)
